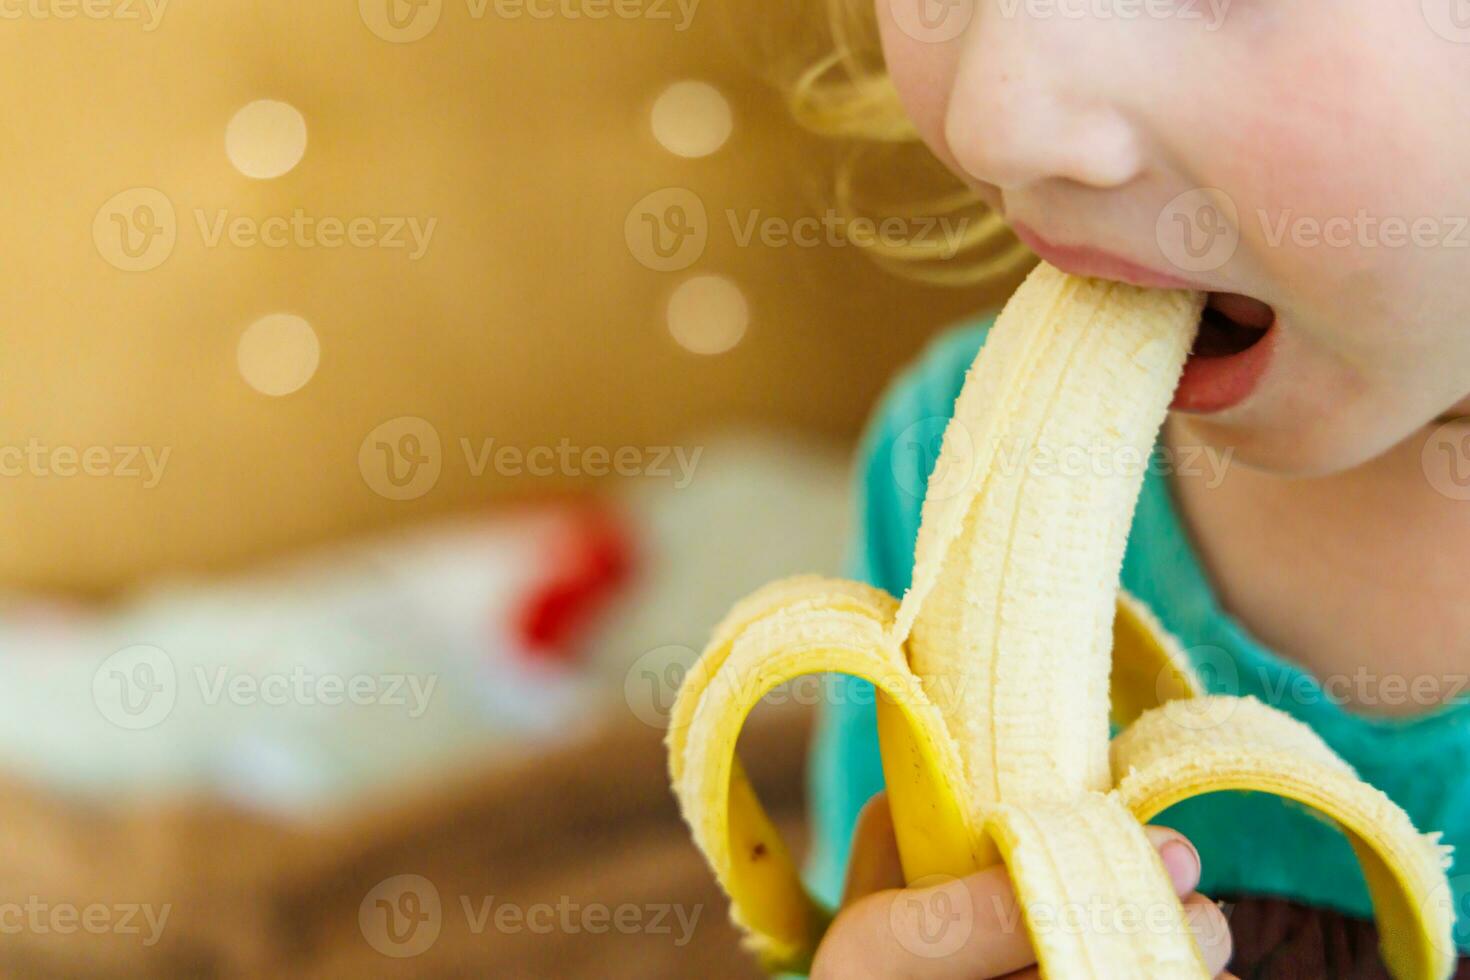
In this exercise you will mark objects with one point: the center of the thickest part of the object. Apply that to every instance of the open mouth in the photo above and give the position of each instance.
(1232, 324)
(1231, 352)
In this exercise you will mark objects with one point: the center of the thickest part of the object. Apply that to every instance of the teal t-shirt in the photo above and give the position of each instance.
(1250, 843)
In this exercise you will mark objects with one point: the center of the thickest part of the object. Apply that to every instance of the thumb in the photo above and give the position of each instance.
(874, 865)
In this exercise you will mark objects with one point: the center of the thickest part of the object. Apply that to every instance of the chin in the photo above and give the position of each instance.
(1300, 449)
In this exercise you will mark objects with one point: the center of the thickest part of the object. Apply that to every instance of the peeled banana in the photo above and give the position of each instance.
(1000, 670)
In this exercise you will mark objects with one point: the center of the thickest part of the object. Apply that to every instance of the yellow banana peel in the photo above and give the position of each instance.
(999, 672)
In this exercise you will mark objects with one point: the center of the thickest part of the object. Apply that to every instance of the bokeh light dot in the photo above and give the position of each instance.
(278, 354)
(708, 314)
(692, 119)
(266, 139)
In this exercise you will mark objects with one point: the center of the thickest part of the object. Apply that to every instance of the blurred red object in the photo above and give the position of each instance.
(586, 569)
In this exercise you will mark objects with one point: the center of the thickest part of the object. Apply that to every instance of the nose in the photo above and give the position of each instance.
(1029, 104)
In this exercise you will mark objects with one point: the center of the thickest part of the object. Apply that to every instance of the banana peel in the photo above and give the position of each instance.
(999, 673)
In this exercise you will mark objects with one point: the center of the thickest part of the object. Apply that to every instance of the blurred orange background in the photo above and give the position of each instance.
(502, 342)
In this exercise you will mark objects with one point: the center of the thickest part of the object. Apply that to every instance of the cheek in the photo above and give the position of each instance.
(1324, 212)
(923, 73)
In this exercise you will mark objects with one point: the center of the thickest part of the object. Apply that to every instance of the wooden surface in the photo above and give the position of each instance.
(590, 827)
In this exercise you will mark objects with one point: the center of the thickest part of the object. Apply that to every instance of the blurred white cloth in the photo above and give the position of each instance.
(298, 685)
(365, 667)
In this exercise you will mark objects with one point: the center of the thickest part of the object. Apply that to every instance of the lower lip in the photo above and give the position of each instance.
(1214, 384)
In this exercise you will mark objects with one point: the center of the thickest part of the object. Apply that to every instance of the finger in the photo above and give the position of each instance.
(956, 929)
(962, 928)
(1179, 856)
(1031, 973)
(1211, 930)
(875, 864)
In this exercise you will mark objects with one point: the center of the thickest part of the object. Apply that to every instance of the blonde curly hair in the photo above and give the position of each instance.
(847, 95)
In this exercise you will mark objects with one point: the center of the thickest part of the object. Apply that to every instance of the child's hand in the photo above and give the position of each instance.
(968, 929)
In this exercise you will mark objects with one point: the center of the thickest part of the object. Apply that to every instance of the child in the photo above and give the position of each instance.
(1308, 164)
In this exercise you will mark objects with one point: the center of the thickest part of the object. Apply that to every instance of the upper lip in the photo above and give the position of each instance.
(1084, 260)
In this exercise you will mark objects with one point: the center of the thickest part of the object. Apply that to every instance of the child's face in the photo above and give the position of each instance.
(1313, 155)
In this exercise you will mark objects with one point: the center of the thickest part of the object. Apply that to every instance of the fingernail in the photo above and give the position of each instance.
(1180, 858)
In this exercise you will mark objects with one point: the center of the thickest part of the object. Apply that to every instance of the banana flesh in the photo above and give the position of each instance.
(1000, 669)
